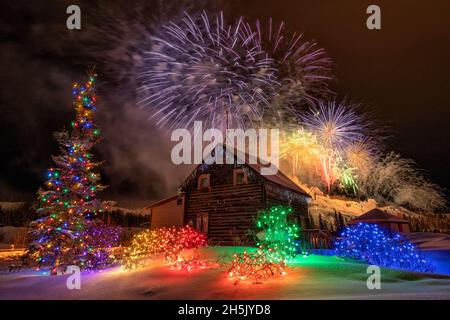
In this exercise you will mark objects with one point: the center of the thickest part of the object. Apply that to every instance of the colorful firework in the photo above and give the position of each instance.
(301, 149)
(120, 33)
(347, 178)
(328, 170)
(302, 70)
(306, 154)
(298, 62)
(361, 155)
(202, 69)
(336, 124)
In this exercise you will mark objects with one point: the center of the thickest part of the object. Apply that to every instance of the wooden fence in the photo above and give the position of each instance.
(318, 239)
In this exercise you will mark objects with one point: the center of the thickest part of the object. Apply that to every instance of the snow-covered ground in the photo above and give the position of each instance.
(435, 246)
(313, 277)
(429, 241)
(10, 254)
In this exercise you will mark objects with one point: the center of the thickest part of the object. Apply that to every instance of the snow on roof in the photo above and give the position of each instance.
(160, 202)
(377, 215)
(279, 178)
(127, 210)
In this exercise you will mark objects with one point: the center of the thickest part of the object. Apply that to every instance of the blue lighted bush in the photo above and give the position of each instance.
(375, 245)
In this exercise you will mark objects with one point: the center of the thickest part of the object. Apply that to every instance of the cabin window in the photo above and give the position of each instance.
(203, 182)
(239, 177)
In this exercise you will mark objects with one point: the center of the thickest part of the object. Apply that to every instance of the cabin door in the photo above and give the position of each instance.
(201, 222)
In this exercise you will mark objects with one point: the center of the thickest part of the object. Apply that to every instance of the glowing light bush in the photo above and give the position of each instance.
(278, 235)
(375, 245)
(255, 266)
(189, 263)
(276, 246)
(171, 242)
(101, 239)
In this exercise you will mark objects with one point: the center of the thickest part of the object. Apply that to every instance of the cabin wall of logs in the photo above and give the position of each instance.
(228, 209)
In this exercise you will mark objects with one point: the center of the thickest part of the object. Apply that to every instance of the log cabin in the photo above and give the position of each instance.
(222, 200)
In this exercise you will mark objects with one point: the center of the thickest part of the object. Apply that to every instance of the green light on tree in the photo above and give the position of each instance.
(278, 234)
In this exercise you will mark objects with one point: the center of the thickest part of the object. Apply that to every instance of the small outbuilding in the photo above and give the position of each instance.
(383, 219)
(167, 212)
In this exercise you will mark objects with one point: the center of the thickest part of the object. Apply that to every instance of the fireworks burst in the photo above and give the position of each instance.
(336, 124)
(302, 69)
(308, 154)
(361, 155)
(347, 178)
(118, 36)
(328, 168)
(301, 149)
(202, 69)
(298, 62)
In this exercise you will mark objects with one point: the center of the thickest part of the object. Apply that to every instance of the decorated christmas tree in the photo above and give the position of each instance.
(67, 234)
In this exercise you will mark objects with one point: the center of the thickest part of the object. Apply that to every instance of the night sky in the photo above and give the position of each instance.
(401, 71)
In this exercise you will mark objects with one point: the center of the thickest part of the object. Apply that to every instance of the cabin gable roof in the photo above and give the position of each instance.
(377, 215)
(279, 178)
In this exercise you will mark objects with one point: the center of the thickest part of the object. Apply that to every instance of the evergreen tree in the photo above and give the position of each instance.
(321, 223)
(308, 222)
(337, 225)
(67, 202)
(341, 220)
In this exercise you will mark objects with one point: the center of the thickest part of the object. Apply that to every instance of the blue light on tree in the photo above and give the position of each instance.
(375, 245)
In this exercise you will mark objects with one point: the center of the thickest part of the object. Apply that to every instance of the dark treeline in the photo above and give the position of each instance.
(21, 216)
(120, 218)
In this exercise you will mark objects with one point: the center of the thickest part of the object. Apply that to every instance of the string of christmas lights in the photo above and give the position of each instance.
(279, 234)
(375, 245)
(189, 264)
(255, 266)
(276, 246)
(171, 242)
(66, 233)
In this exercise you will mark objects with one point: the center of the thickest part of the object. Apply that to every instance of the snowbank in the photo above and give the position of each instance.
(430, 241)
(435, 246)
(313, 277)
